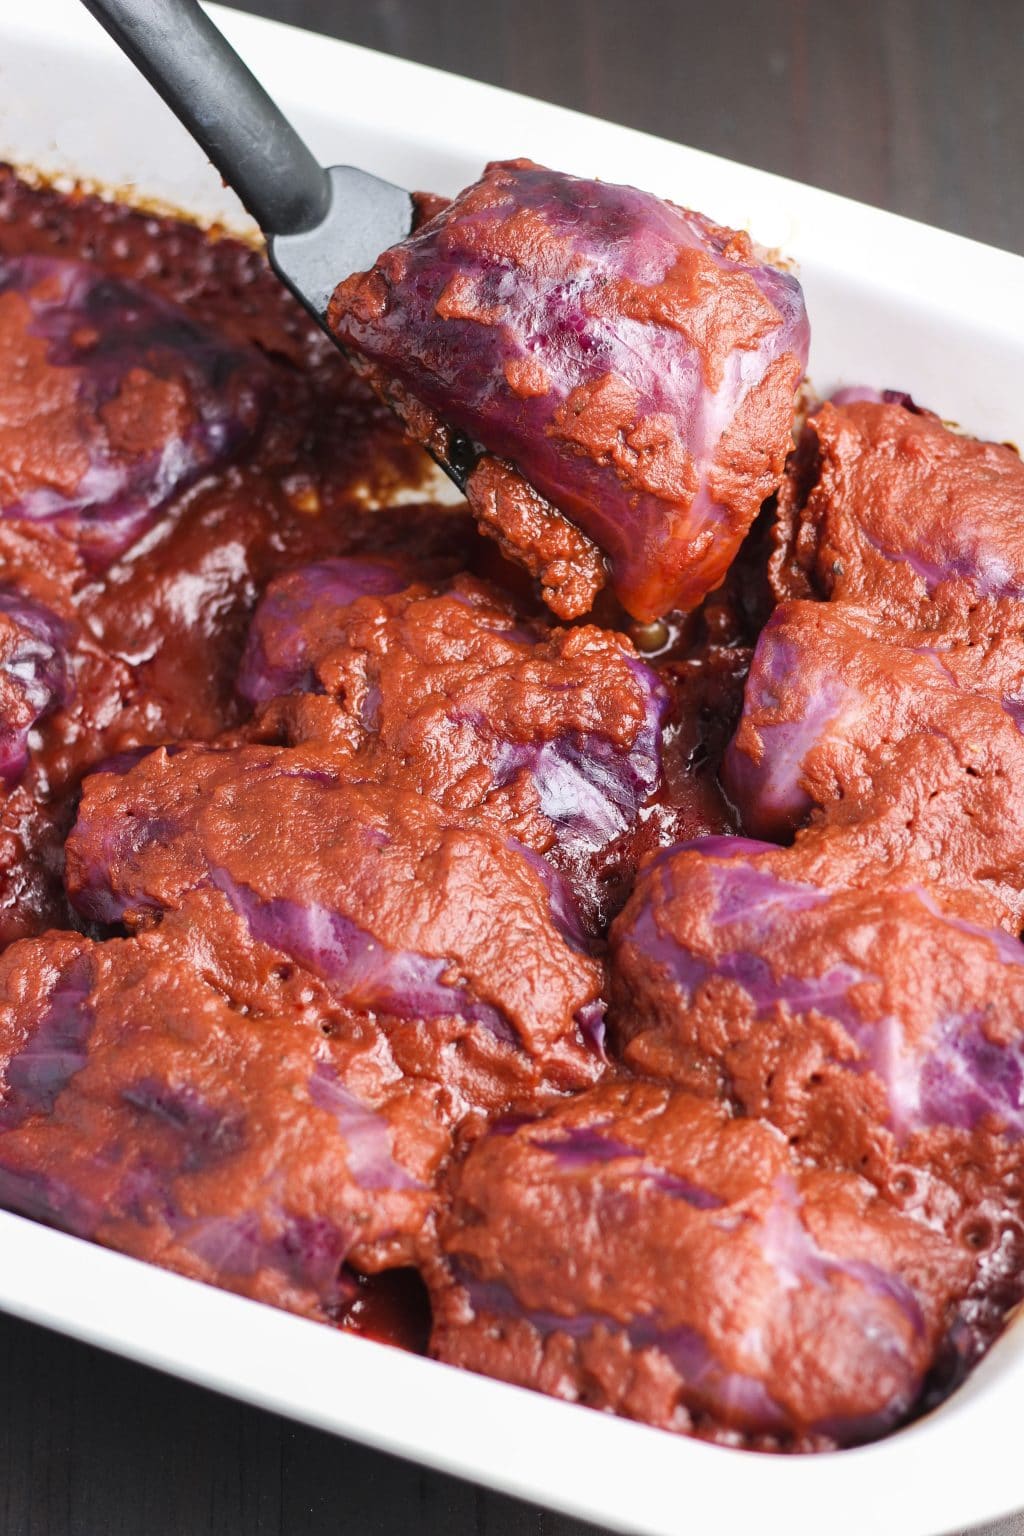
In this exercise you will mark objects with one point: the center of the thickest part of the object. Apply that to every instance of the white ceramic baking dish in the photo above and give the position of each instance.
(892, 303)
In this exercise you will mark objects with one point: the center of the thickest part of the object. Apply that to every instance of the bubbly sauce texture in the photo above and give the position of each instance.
(384, 937)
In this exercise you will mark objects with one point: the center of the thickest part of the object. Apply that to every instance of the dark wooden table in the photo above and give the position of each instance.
(915, 105)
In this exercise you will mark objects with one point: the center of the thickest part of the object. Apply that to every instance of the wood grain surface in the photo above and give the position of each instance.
(914, 105)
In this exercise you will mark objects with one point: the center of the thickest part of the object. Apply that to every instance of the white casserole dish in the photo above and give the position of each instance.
(893, 304)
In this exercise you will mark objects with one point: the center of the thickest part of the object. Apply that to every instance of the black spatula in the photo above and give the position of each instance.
(320, 224)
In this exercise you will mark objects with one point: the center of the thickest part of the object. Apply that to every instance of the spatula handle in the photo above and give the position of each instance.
(222, 104)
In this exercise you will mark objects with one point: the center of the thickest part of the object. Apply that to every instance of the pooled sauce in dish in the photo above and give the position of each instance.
(378, 947)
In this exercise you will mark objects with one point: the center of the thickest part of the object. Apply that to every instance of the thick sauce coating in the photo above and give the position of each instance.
(634, 362)
(786, 1300)
(400, 910)
(536, 750)
(313, 827)
(859, 989)
(554, 736)
(152, 641)
(873, 1025)
(889, 708)
(146, 1108)
(885, 506)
